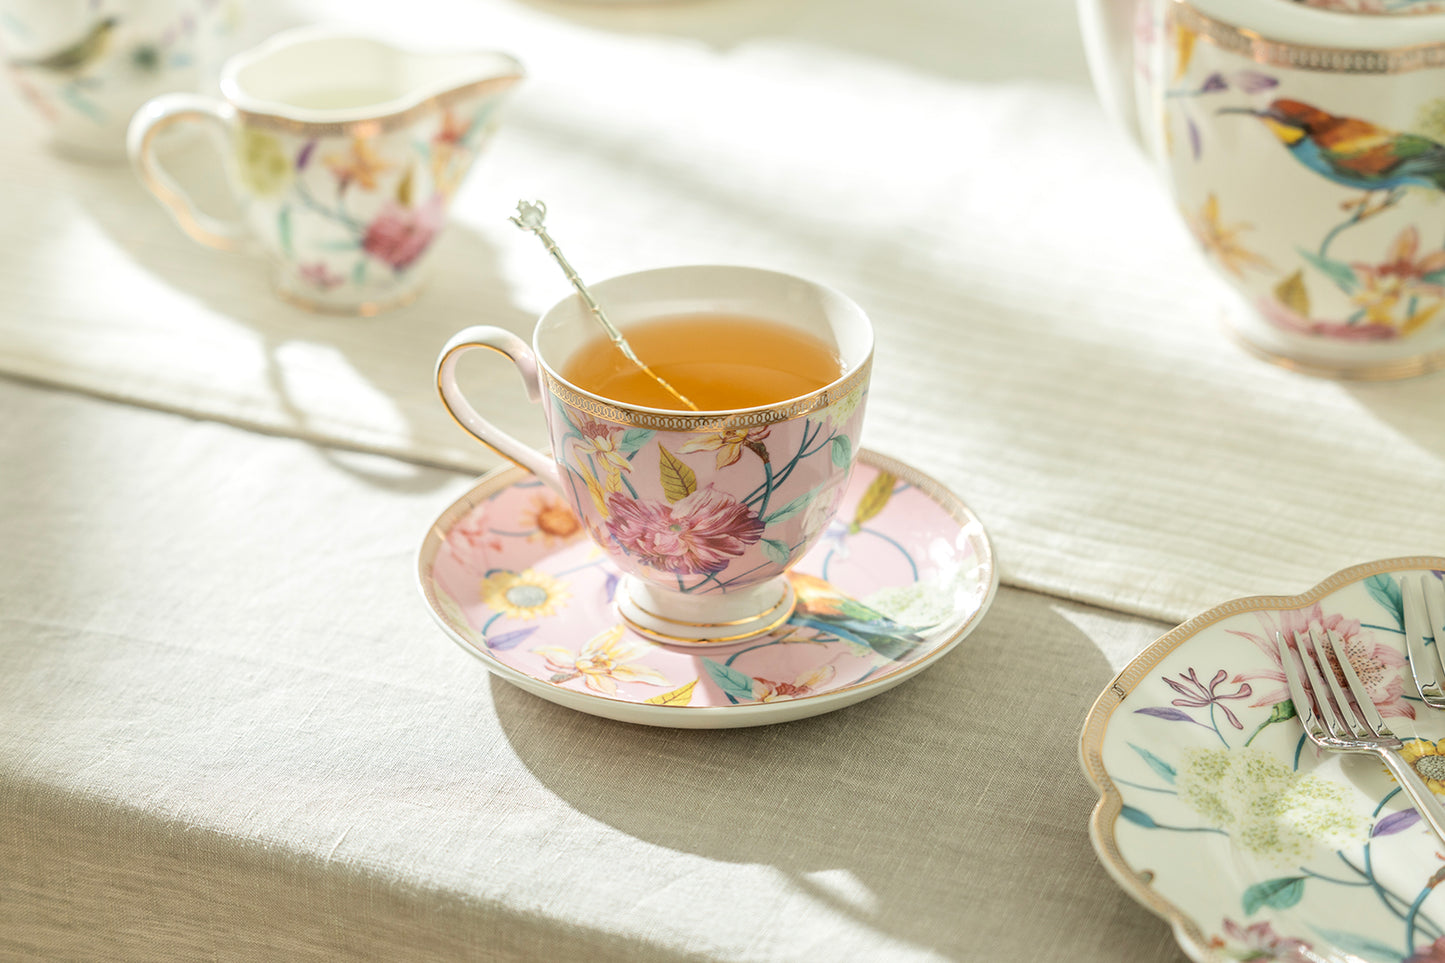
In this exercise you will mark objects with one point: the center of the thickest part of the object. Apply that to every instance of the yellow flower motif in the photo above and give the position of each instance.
(262, 164)
(523, 595)
(1398, 286)
(604, 661)
(552, 519)
(1222, 243)
(1428, 760)
(605, 449)
(360, 164)
(594, 488)
(729, 444)
(602, 442)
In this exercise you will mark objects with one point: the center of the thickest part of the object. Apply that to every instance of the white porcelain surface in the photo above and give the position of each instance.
(1218, 815)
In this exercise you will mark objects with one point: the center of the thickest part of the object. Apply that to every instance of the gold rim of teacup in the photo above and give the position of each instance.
(374, 126)
(1277, 53)
(668, 420)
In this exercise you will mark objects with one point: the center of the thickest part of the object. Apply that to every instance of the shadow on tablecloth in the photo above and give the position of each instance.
(947, 813)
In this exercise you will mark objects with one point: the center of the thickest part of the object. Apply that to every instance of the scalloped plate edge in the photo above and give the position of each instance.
(1187, 932)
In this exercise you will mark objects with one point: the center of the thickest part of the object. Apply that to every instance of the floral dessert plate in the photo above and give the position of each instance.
(1218, 815)
(902, 575)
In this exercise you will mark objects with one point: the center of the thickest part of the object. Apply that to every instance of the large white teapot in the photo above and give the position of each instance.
(1304, 143)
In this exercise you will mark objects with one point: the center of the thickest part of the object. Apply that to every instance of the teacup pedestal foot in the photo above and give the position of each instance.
(676, 618)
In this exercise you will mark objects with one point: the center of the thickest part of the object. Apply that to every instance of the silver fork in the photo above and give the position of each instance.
(1348, 723)
(1425, 619)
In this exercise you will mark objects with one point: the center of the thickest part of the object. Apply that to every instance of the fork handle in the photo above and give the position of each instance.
(1426, 804)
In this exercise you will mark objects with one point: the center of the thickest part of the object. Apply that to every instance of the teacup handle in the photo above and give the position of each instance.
(156, 115)
(517, 351)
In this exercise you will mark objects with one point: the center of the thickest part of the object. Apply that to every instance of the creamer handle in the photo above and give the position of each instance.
(515, 350)
(1107, 28)
(156, 115)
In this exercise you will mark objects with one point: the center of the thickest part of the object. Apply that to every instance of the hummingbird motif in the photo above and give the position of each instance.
(75, 59)
(1353, 152)
(821, 606)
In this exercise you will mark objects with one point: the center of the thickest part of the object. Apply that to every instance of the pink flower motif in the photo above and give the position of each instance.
(319, 274)
(1290, 321)
(1262, 943)
(1378, 665)
(471, 538)
(1196, 695)
(696, 535)
(399, 235)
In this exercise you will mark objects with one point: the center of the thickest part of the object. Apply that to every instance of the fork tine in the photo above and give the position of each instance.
(1334, 707)
(1417, 626)
(1303, 704)
(1432, 591)
(1369, 714)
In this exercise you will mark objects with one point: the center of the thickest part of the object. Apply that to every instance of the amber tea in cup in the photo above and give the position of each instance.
(719, 362)
(702, 512)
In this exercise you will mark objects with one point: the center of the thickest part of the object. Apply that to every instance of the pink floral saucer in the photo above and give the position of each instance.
(902, 575)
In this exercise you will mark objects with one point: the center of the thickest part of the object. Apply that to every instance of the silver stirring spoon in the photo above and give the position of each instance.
(529, 217)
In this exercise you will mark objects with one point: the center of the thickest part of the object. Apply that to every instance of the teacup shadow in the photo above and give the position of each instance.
(924, 764)
(373, 354)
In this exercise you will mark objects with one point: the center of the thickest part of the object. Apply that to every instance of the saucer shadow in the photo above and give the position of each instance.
(394, 348)
(929, 802)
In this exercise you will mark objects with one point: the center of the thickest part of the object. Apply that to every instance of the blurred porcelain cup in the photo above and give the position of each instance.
(86, 65)
(1304, 143)
(701, 511)
(343, 152)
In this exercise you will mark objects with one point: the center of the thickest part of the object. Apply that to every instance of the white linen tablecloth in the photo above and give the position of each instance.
(229, 730)
(1049, 343)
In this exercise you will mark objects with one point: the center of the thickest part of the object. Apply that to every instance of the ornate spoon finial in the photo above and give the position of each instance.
(529, 217)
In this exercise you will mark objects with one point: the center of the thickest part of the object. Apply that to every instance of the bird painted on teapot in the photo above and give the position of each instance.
(1304, 145)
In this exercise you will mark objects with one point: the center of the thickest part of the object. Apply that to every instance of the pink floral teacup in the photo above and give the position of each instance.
(344, 152)
(701, 512)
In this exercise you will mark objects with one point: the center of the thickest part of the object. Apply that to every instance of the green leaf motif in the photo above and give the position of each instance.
(1337, 271)
(283, 229)
(1360, 947)
(775, 550)
(737, 684)
(841, 451)
(1281, 711)
(1280, 893)
(633, 439)
(680, 696)
(1385, 590)
(792, 508)
(880, 490)
(1158, 765)
(564, 415)
(1138, 817)
(404, 189)
(678, 480)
